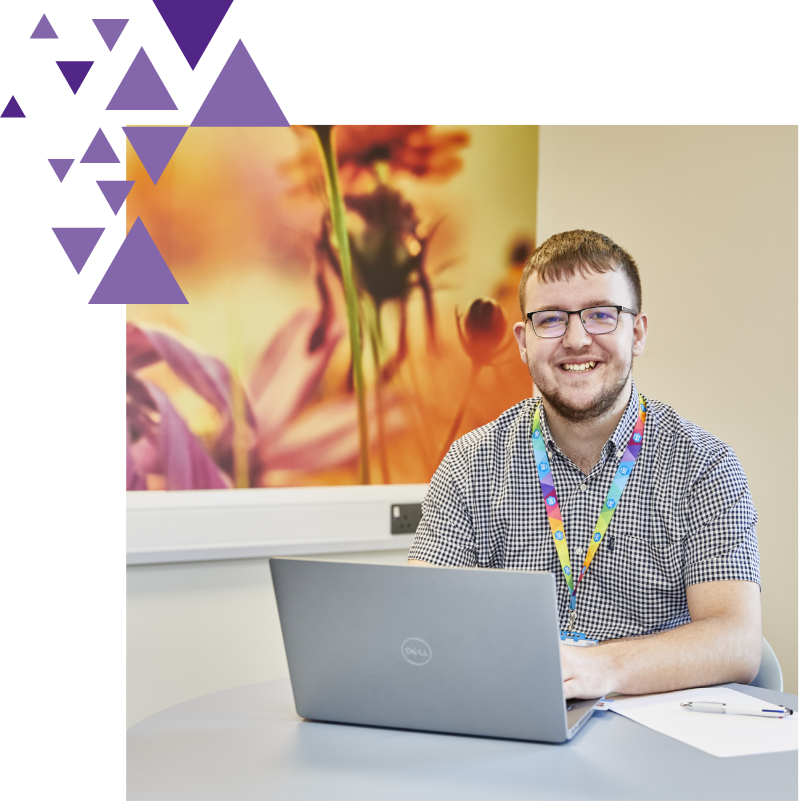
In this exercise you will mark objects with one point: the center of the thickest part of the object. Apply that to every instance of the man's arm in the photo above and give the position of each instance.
(722, 643)
(420, 563)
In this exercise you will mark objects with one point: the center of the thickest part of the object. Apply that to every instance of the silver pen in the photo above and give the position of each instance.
(761, 711)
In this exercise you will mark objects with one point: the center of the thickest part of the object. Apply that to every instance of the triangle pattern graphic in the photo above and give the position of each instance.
(99, 151)
(240, 97)
(78, 243)
(193, 24)
(12, 109)
(44, 30)
(110, 30)
(61, 167)
(115, 192)
(141, 89)
(155, 147)
(138, 273)
(75, 72)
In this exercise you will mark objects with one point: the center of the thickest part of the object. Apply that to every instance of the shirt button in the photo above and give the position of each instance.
(619, 454)
(583, 487)
(578, 551)
(549, 453)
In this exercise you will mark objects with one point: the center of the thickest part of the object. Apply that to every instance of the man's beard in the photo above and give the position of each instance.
(602, 404)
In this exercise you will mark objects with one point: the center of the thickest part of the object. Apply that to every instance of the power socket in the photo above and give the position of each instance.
(405, 517)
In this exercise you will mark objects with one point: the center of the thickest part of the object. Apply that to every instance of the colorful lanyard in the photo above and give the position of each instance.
(609, 507)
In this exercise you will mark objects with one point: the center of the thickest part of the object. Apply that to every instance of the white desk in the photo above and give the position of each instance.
(248, 743)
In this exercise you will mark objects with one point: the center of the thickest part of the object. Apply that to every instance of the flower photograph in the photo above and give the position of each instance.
(351, 292)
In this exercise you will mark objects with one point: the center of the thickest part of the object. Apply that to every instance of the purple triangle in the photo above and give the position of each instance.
(141, 89)
(61, 167)
(155, 147)
(99, 151)
(115, 192)
(138, 273)
(75, 72)
(110, 30)
(44, 30)
(193, 24)
(240, 97)
(78, 243)
(12, 109)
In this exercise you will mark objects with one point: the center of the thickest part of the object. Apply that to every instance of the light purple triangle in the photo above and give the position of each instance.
(75, 72)
(61, 167)
(110, 30)
(155, 147)
(138, 273)
(239, 97)
(193, 24)
(99, 151)
(78, 243)
(141, 89)
(12, 109)
(44, 30)
(115, 192)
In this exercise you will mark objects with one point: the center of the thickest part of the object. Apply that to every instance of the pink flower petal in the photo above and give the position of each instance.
(186, 464)
(289, 372)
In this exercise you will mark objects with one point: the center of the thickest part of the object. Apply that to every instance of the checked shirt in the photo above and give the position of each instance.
(686, 516)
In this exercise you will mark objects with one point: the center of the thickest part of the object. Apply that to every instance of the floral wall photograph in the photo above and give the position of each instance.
(351, 292)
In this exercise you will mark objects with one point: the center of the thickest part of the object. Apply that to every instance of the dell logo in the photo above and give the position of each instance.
(416, 651)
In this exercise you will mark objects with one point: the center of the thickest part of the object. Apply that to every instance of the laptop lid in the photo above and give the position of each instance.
(452, 650)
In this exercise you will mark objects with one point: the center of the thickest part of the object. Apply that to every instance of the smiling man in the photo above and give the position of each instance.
(645, 519)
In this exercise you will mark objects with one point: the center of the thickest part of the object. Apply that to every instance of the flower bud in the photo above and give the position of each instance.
(484, 329)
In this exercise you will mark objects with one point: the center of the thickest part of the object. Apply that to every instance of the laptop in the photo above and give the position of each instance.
(439, 649)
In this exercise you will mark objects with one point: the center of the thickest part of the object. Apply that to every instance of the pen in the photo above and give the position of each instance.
(764, 711)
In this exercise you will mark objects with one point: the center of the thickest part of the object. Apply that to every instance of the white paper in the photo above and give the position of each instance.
(720, 735)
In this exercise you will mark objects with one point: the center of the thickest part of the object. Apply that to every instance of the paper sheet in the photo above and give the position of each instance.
(720, 735)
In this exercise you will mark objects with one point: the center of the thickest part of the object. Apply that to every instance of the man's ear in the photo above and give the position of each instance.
(640, 328)
(520, 332)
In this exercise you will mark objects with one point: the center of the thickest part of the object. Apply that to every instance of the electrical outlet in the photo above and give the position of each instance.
(405, 517)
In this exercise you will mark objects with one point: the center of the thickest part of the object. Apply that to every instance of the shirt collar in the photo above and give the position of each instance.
(621, 434)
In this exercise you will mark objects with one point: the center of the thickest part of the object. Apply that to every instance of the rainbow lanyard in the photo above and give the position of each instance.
(609, 507)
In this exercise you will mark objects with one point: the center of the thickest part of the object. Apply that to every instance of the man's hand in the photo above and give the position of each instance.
(722, 643)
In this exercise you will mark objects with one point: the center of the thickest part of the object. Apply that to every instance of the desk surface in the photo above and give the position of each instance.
(248, 743)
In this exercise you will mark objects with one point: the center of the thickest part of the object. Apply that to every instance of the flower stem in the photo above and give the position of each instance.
(338, 218)
(456, 423)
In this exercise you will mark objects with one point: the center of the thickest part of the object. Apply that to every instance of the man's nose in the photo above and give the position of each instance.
(576, 336)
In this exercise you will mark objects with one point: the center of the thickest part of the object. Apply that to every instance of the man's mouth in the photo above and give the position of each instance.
(585, 367)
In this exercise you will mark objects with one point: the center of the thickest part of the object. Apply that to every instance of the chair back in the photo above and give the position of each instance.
(769, 677)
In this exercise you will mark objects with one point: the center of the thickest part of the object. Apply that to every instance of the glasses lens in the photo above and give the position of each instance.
(550, 323)
(600, 320)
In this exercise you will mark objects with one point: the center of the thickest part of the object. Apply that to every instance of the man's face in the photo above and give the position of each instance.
(587, 392)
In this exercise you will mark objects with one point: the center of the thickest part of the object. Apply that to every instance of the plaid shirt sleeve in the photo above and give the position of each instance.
(721, 544)
(445, 535)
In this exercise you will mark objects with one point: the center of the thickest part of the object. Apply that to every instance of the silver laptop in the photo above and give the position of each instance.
(450, 650)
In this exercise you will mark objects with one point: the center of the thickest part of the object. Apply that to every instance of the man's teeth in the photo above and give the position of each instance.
(579, 368)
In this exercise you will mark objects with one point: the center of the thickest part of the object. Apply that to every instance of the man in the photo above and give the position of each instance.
(671, 587)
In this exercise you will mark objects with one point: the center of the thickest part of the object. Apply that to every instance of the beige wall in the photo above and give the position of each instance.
(710, 215)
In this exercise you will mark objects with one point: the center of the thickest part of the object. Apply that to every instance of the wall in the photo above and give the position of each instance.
(710, 216)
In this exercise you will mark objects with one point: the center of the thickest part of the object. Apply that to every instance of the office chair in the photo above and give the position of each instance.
(769, 677)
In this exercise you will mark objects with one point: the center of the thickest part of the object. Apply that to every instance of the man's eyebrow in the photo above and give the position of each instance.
(591, 304)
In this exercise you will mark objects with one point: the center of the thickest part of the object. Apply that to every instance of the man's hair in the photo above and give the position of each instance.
(562, 255)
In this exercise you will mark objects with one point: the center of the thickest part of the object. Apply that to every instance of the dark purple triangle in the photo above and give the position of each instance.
(138, 273)
(239, 97)
(12, 109)
(193, 23)
(99, 151)
(155, 147)
(75, 72)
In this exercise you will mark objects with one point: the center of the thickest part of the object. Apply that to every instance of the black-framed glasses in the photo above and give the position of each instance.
(553, 323)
